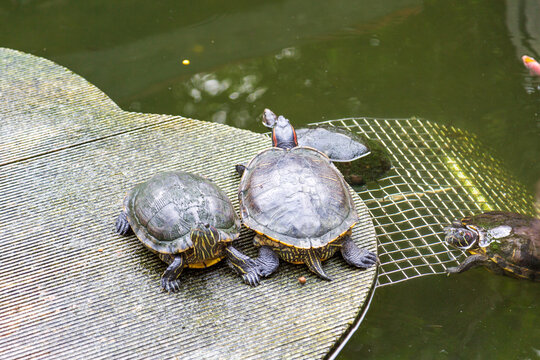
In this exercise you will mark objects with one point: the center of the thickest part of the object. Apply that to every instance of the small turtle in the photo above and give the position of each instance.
(506, 243)
(188, 221)
(360, 160)
(299, 205)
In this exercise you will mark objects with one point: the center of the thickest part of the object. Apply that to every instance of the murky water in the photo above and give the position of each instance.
(452, 62)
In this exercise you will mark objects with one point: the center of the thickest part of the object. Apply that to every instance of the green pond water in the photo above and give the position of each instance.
(452, 62)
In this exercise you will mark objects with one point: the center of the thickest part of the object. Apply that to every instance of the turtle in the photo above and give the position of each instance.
(360, 160)
(188, 221)
(298, 204)
(506, 243)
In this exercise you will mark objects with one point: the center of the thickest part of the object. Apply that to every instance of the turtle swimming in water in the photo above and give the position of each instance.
(188, 221)
(299, 205)
(506, 243)
(360, 160)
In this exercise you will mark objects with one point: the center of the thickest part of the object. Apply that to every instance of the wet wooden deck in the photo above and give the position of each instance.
(71, 288)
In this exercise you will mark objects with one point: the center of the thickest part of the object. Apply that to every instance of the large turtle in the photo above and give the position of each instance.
(188, 221)
(299, 205)
(506, 243)
(358, 158)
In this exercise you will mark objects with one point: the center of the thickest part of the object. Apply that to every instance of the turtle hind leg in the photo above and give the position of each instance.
(267, 261)
(469, 263)
(169, 279)
(311, 259)
(240, 168)
(353, 255)
(122, 225)
(243, 265)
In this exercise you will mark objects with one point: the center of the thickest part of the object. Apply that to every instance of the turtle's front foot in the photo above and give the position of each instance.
(244, 266)
(122, 224)
(251, 278)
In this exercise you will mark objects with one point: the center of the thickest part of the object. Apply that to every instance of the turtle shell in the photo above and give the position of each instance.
(296, 197)
(163, 210)
(514, 241)
(358, 158)
(337, 143)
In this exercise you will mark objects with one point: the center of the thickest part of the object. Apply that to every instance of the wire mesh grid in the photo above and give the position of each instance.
(439, 173)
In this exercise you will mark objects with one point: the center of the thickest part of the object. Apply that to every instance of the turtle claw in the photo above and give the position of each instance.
(368, 258)
(122, 225)
(355, 256)
(171, 286)
(251, 278)
(365, 259)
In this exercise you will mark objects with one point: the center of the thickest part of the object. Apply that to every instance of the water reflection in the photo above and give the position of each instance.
(234, 94)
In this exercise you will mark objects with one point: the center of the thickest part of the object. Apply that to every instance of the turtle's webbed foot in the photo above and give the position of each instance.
(251, 278)
(122, 224)
(169, 285)
(244, 266)
(353, 255)
(267, 262)
(169, 279)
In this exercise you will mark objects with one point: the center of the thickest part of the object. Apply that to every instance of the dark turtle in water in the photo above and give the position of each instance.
(299, 205)
(506, 243)
(360, 160)
(188, 221)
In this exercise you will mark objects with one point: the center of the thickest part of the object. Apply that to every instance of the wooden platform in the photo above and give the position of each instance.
(71, 288)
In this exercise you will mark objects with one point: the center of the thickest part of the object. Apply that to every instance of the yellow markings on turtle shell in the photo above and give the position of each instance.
(468, 183)
(206, 263)
(292, 246)
(330, 178)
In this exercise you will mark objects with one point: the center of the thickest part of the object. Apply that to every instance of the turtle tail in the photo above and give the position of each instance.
(313, 262)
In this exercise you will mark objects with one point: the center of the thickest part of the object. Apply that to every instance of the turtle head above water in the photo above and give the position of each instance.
(283, 133)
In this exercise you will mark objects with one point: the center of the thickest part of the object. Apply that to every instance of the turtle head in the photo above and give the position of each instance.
(461, 237)
(283, 134)
(205, 239)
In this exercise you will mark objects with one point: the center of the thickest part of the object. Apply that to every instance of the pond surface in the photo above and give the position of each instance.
(452, 62)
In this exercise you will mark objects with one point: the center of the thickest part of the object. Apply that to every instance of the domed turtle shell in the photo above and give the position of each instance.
(163, 210)
(508, 240)
(296, 197)
(337, 143)
(359, 159)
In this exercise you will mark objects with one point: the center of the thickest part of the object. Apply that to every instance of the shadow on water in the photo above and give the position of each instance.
(455, 63)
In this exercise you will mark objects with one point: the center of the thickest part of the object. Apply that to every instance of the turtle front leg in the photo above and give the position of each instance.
(122, 224)
(469, 263)
(169, 279)
(353, 255)
(243, 265)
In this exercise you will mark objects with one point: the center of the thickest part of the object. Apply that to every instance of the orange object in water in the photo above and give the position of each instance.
(531, 64)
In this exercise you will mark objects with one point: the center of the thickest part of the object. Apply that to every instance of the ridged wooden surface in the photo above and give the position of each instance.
(71, 288)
